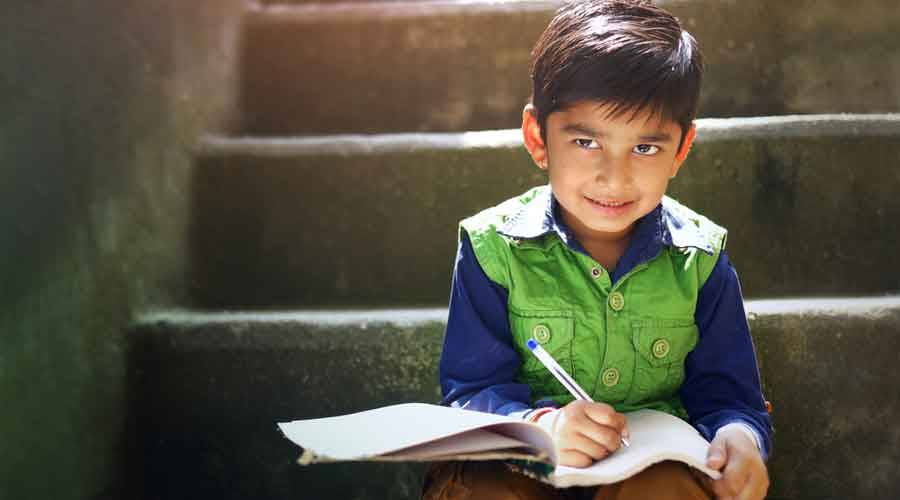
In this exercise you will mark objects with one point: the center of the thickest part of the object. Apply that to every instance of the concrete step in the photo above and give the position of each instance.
(289, 3)
(811, 203)
(208, 389)
(379, 67)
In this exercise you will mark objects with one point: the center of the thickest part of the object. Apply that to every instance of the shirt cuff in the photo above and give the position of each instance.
(746, 429)
(521, 415)
(530, 414)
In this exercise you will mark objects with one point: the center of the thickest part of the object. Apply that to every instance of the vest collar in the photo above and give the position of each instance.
(664, 226)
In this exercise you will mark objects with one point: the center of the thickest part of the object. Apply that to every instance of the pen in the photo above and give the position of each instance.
(564, 378)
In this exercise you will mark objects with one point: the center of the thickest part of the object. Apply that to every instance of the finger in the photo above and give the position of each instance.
(717, 456)
(580, 442)
(605, 436)
(736, 476)
(747, 490)
(722, 490)
(605, 414)
(726, 486)
(574, 458)
(756, 487)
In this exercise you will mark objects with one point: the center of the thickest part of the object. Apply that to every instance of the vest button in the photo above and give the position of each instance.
(610, 377)
(616, 301)
(660, 348)
(596, 272)
(541, 333)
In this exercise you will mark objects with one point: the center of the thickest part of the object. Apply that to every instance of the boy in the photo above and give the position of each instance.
(631, 292)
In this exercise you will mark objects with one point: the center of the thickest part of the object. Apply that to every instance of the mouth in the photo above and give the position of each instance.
(608, 203)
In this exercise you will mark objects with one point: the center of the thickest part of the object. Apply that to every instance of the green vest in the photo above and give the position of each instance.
(625, 344)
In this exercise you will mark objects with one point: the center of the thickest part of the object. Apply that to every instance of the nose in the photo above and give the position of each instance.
(613, 171)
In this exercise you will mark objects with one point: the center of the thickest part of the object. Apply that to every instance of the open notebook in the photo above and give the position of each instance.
(421, 432)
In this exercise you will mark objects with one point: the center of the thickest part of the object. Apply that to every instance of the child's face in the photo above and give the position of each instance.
(606, 173)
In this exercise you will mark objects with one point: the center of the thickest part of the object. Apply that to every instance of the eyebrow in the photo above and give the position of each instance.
(582, 129)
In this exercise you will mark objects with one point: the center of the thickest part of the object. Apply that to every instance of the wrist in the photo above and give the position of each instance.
(740, 428)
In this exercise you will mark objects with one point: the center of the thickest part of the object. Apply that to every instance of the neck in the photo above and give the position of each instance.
(605, 248)
(606, 252)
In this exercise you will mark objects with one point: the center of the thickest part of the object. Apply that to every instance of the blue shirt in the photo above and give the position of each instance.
(479, 364)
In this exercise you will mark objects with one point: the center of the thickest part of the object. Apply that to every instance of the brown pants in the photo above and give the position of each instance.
(494, 481)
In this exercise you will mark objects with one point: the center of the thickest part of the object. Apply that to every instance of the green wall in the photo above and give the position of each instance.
(100, 104)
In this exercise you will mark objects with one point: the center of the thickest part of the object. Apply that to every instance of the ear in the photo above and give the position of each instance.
(685, 149)
(531, 133)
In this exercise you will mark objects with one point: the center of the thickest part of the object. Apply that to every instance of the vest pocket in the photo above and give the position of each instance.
(662, 346)
(554, 331)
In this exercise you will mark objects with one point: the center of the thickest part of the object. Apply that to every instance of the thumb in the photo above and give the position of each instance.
(717, 455)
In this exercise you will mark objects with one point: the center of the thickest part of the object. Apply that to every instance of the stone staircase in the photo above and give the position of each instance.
(323, 232)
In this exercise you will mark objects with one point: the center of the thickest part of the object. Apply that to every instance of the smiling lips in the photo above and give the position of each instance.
(609, 207)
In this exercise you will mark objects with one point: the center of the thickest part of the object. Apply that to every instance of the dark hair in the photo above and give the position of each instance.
(626, 52)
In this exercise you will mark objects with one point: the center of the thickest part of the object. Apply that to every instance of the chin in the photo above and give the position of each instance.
(608, 227)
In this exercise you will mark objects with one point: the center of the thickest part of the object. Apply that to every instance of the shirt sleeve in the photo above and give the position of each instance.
(721, 382)
(478, 362)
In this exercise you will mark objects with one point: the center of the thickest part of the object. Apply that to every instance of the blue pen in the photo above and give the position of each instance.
(564, 378)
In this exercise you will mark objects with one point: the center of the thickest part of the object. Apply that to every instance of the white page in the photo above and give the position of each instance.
(387, 430)
(655, 437)
(418, 431)
(471, 444)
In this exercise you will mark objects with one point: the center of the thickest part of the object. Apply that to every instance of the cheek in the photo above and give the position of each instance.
(566, 176)
(566, 187)
(571, 165)
(654, 176)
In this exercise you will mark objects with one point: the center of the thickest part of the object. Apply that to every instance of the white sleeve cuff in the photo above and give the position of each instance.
(746, 429)
(521, 415)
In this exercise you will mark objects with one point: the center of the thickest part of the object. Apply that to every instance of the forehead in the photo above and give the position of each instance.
(601, 115)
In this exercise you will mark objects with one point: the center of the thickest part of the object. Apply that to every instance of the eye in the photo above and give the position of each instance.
(646, 149)
(587, 144)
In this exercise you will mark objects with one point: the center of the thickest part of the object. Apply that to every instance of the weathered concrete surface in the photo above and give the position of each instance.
(830, 370)
(99, 100)
(810, 202)
(382, 67)
(210, 388)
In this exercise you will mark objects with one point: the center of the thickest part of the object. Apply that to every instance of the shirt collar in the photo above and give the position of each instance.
(534, 219)
(664, 226)
(681, 231)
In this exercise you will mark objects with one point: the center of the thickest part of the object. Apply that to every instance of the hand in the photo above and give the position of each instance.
(744, 475)
(585, 431)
